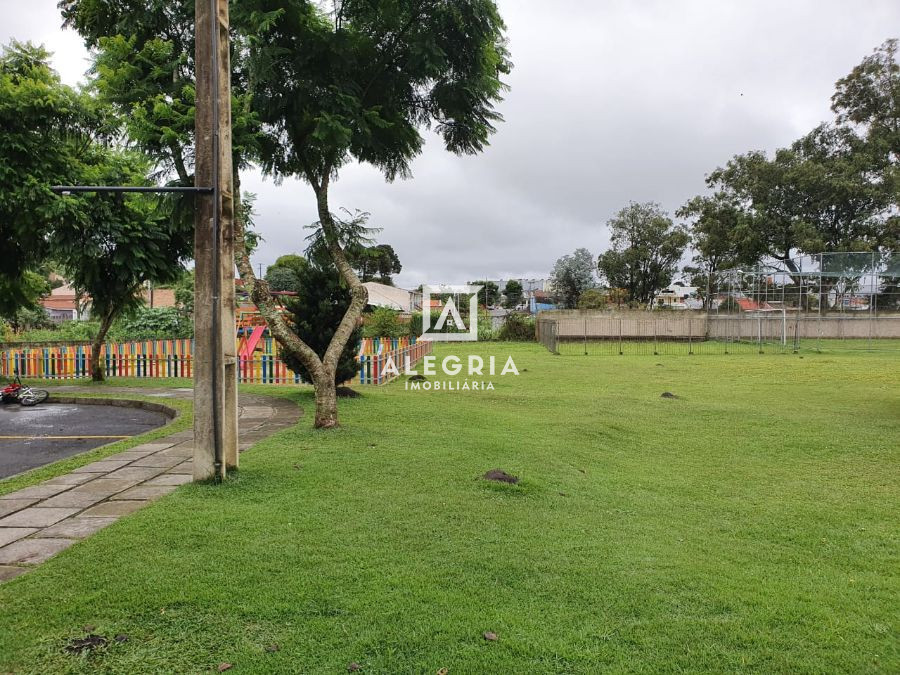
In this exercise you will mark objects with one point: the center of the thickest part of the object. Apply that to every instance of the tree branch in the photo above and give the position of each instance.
(358, 293)
(259, 293)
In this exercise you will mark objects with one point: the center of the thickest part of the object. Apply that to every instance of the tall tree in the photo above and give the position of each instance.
(45, 127)
(846, 194)
(119, 242)
(489, 295)
(719, 236)
(767, 196)
(353, 82)
(357, 85)
(869, 98)
(513, 293)
(573, 275)
(107, 245)
(646, 249)
(835, 189)
(144, 69)
(376, 263)
(717, 229)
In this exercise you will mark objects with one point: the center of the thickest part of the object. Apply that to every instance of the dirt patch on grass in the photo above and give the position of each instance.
(86, 644)
(500, 476)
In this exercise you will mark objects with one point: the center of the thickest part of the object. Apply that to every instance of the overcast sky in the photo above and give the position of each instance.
(609, 102)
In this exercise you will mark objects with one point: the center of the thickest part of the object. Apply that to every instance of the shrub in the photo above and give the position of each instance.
(158, 323)
(414, 327)
(315, 314)
(486, 331)
(68, 331)
(384, 322)
(592, 298)
(518, 328)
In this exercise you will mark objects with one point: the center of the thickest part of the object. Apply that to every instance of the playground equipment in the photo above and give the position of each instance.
(250, 330)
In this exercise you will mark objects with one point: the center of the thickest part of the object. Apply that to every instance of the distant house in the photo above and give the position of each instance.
(539, 301)
(382, 295)
(678, 296)
(848, 302)
(529, 288)
(159, 297)
(751, 305)
(63, 305)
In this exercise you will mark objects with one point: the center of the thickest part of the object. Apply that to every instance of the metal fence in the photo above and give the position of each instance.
(819, 302)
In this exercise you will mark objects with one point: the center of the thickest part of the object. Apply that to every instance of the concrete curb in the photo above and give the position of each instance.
(171, 413)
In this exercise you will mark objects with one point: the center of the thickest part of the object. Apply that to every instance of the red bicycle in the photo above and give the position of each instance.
(16, 392)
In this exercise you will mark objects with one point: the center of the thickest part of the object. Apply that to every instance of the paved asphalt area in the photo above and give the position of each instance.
(32, 437)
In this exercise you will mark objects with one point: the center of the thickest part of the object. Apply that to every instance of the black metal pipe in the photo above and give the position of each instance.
(126, 188)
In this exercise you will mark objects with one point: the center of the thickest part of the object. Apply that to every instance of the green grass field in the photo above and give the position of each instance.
(748, 525)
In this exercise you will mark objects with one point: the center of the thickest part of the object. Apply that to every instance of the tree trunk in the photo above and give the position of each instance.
(326, 402)
(99, 339)
(323, 376)
(358, 293)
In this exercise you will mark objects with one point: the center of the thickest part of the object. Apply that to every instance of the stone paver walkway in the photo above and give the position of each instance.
(38, 522)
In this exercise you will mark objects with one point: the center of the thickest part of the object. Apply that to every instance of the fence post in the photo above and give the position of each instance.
(759, 333)
(655, 346)
(690, 337)
(620, 336)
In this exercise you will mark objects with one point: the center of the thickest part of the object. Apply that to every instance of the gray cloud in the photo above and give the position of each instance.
(609, 102)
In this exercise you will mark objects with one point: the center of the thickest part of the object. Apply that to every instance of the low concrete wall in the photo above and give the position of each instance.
(811, 326)
(630, 327)
(574, 325)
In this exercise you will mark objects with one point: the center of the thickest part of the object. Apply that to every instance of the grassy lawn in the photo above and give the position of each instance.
(750, 524)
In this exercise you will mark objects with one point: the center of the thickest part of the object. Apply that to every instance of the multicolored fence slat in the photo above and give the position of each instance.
(377, 355)
(146, 358)
(173, 358)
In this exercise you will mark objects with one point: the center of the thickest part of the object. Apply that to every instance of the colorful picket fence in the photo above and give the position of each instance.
(378, 354)
(145, 358)
(173, 358)
(264, 365)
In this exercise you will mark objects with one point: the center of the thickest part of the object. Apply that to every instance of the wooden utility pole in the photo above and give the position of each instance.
(215, 363)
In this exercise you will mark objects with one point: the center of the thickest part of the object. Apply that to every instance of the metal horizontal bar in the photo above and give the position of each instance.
(64, 189)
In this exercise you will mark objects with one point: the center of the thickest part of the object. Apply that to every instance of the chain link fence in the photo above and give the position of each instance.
(715, 334)
(821, 302)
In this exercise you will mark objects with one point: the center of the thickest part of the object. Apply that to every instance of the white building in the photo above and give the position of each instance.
(678, 296)
(382, 295)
